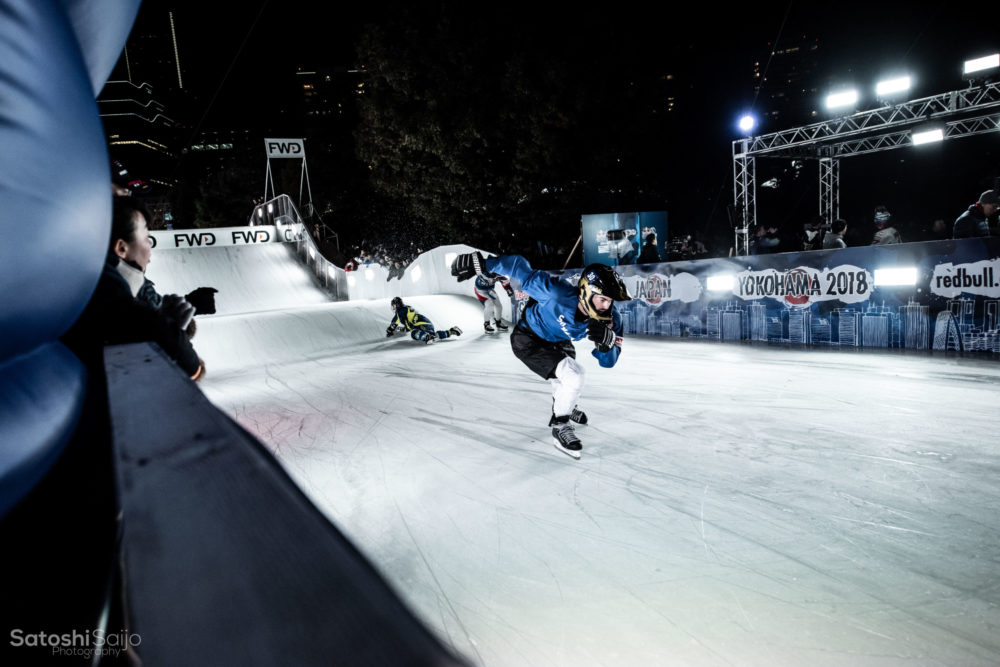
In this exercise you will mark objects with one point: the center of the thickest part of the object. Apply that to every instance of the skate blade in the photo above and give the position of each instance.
(572, 453)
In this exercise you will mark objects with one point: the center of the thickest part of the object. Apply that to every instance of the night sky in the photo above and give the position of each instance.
(859, 42)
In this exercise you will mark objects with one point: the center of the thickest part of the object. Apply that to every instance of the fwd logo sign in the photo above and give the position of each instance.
(241, 237)
(194, 240)
(278, 148)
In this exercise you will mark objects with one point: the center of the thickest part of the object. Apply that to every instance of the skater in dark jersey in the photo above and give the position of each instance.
(558, 314)
(420, 327)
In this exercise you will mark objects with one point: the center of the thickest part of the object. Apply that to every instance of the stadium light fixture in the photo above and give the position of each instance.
(747, 123)
(331, 271)
(369, 274)
(898, 276)
(979, 65)
(351, 280)
(415, 273)
(449, 257)
(890, 87)
(842, 99)
(927, 136)
(720, 283)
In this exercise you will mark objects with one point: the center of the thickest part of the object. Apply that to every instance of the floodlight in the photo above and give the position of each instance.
(981, 64)
(312, 253)
(331, 271)
(927, 136)
(449, 257)
(842, 99)
(415, 273)
(891, 86)
(747, 123)
(720, 283)
(369, 274)
(898, 276)
(351, 280)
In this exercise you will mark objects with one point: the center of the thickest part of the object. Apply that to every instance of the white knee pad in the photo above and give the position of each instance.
(566, 386)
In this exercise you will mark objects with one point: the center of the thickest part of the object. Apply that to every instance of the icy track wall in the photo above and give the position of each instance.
(941, 295)
(253, 263)
(279, 301)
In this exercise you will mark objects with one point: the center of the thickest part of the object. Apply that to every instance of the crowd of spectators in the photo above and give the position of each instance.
(978, 220)
(393, 256)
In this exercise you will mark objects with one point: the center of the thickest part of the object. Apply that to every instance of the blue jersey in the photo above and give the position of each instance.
(553, 314)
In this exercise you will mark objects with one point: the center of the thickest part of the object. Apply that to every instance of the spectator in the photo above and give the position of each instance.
(765, 241)
(976, 220)
(115, 315)
(939, 231)
(835, 237)
(812, 234)
(886, 234)
(649, 254)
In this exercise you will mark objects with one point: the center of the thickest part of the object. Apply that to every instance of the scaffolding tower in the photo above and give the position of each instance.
(959, 113)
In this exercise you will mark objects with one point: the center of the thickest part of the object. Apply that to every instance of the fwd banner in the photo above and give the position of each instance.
(225, 236)
(278, 148)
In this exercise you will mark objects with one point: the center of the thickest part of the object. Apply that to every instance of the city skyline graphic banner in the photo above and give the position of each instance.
(839, 297)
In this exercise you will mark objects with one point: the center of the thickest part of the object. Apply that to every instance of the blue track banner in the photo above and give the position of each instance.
(849, 297)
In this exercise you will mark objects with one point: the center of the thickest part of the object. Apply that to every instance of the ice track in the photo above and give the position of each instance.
(734, 505)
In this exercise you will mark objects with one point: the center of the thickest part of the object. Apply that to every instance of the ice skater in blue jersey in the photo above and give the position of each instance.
(557, 314)
(420, 327)
(487, 295)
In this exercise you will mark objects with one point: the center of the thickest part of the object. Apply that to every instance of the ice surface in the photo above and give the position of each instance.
(734, 505)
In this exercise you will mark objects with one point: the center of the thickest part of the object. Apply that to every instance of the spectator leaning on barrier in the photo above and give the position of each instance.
(975, 221)
(835, 237)
(115, 315)
(886, 234)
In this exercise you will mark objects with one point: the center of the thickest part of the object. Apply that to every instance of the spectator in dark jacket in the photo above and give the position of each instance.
(835, 237)
(115, 315)
(975, 221)
(650, 254)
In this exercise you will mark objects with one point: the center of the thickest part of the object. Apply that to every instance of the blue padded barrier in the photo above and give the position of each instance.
(40, 405)
(55, 214)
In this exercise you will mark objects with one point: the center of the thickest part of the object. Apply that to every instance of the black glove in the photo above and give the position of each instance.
(391, 329)
(602, 335)
(203, 300)
(468, 265)
(177, 310)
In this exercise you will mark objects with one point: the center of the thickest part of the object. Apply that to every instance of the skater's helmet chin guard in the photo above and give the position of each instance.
(600, 279)
(396, 303)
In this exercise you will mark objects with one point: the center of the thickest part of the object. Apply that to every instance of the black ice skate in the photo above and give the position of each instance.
(488, 328)
(565, 438)
(578, 416)
(431, 337)
(455, 331)
(500, 325)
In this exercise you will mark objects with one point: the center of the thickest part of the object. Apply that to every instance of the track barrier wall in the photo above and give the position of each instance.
(935, 295)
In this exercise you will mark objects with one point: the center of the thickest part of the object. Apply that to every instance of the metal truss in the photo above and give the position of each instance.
(974, 99)
(745, 196)
(959, 112)
(829, 189)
